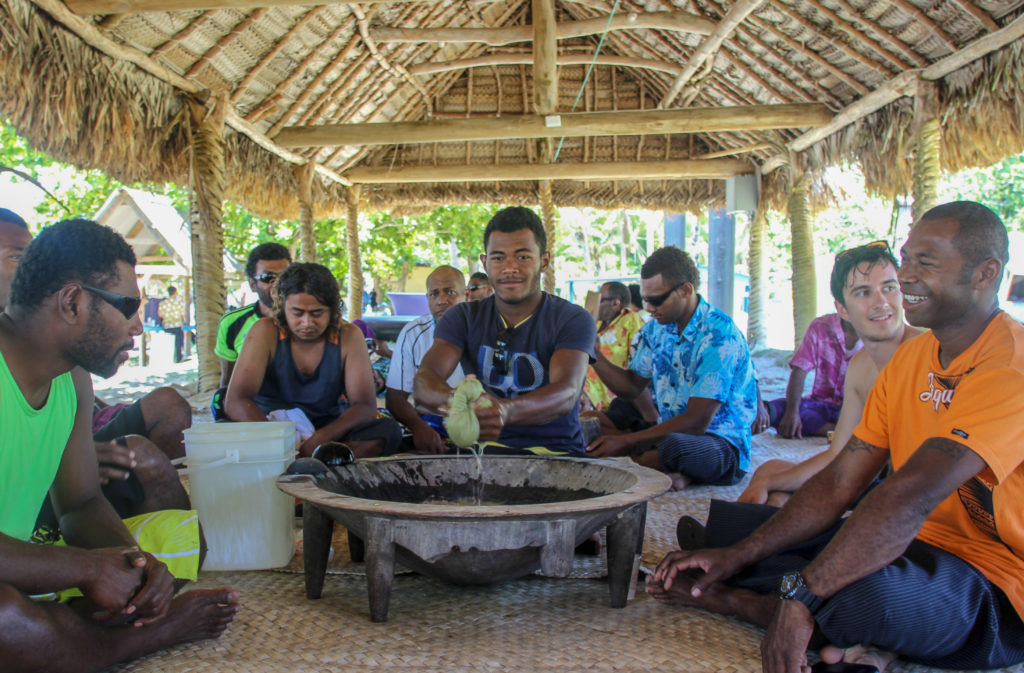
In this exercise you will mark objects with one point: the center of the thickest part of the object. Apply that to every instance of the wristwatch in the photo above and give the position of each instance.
(793, 588)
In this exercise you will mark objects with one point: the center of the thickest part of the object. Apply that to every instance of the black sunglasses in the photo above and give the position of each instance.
(474, 288)
(659, 299)
(500, 356)
(128, 306)
(268, 277)
(604, 299)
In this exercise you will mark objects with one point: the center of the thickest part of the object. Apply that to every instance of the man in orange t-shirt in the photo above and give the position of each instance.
(930, 565)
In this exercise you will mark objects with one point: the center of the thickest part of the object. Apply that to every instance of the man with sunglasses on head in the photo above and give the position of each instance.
(867, 296)
(266, 262)
(479, 287)
(73, 310)
(529, 349)
(445, 289)
(704, 385)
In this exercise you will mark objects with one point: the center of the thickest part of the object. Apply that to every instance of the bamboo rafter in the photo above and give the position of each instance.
(883, 34)
(833, 40)
(811, 54)
(821, 92)
(738, 13)
(300, 70)
(858, 35)
(278, 47)
(677, 21)
(916, 14)
(978, 13)
(217, 48)
(313, 85)
(193, 25)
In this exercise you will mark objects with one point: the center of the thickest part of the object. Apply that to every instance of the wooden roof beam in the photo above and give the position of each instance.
(92, 36)
(678, 21)
(87, 7)
(709, 169)
(526, 58)
(545, 58)
(904, 84)
(740, 10)
(569, 125)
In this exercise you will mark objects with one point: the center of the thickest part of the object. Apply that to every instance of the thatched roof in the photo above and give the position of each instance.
(105, 88)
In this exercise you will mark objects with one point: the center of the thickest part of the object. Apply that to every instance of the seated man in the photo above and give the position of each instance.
(528, 348)
(445, 288)
(617, 325)
(135, 473)
(827, 346)
(307, 358)
(704, 384)
(479, 287)
(867, 296)
(930, 564)
(265, 263)
(74, 309)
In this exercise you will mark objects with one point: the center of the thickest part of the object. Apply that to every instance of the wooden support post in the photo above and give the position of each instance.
(928, 148)
(304, 174)
(545, 57)
(207, 172)
(756, 335)
(355, 263)
(549, 214)
(805, 295)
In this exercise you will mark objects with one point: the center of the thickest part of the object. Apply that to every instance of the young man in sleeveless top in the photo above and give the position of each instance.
(307, 358)
(73, 309)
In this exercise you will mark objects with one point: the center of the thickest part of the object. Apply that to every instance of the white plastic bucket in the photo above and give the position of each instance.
(232, 470)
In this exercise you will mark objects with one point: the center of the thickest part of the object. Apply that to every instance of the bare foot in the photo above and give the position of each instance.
(713, 598)
(679, 481)
(197, 615)
(858, 654)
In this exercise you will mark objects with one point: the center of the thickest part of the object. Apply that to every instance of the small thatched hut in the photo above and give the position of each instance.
(321, 109)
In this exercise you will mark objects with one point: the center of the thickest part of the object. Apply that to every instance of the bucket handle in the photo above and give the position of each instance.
(230, 456)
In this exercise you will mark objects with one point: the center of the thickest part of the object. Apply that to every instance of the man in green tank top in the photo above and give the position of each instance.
(74, 309)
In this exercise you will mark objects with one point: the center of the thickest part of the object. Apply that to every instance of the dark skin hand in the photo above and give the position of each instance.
(695, 420)
(115, 461)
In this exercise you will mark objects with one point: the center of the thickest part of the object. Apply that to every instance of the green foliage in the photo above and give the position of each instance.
(1000, 187)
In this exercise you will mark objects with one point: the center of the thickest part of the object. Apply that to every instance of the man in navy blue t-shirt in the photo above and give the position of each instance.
(530, 349)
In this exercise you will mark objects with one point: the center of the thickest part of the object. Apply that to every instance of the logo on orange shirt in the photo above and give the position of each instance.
(941, 388)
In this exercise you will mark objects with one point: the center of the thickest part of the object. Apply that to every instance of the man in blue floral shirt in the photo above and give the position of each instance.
(702, 377)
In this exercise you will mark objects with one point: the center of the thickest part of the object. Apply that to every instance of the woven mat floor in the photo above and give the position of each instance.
(532, 624)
